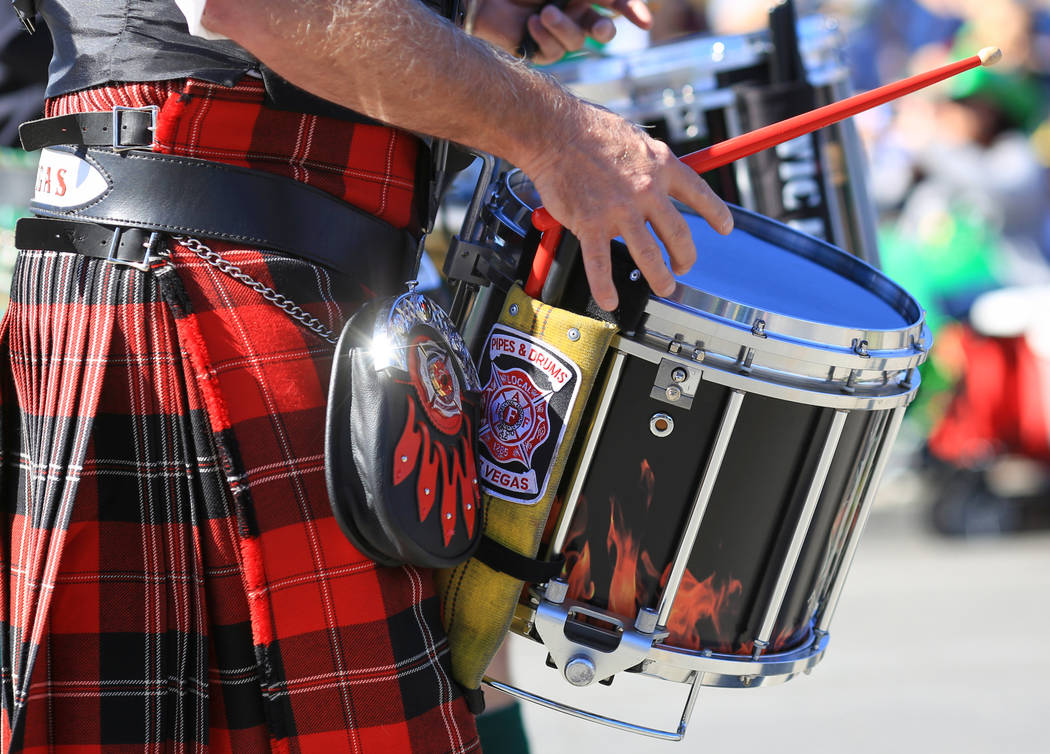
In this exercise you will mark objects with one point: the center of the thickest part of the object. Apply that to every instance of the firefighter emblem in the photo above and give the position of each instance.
(529, 392)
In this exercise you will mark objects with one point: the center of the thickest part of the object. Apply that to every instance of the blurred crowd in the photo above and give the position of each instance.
(959, 177)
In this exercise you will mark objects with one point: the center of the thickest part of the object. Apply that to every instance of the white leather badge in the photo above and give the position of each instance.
(64, 180)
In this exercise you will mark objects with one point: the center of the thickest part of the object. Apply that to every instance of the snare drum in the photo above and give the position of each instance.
(726, 466)
(699, 90)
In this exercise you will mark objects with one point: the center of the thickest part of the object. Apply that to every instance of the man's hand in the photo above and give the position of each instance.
(503, 23)
(603, 178)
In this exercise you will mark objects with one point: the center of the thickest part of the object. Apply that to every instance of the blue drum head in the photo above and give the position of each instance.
(767, 266)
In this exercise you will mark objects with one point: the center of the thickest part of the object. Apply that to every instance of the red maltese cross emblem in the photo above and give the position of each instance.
(516, 420)
(436, 385)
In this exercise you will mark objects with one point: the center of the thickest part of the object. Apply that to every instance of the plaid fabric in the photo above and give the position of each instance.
(172, 575)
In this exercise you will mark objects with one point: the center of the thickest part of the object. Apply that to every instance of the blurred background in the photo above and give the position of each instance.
(938, 643)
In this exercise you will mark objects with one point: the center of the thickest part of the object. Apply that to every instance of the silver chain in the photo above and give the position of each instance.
(282, 302)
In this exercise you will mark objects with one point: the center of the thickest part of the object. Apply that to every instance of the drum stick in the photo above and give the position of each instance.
(730, 150)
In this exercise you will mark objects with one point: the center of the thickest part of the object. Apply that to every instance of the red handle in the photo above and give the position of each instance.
(548, 246)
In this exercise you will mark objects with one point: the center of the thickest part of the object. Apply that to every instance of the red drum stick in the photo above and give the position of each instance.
(730, 150)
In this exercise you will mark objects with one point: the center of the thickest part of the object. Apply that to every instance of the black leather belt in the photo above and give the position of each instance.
(131, 246)
(187, 196)
(119, 128)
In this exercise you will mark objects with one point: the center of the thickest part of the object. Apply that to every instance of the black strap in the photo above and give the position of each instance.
(133, 127)
(132, 246)
(183, 195)
(501, 558)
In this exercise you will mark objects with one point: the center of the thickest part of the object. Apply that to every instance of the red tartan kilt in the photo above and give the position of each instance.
(173, 574)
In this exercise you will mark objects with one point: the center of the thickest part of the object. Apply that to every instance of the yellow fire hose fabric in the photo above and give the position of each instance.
(537, 370)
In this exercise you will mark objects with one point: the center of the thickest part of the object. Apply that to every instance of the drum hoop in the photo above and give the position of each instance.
(826, 394)
(790, 328)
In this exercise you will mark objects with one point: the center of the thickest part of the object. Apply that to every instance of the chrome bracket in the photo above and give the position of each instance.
(676, 383)
(592, 654)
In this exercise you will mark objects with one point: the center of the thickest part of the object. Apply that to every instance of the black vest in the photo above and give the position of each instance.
(102, 41)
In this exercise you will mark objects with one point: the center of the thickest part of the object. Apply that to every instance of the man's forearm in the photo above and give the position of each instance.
(396, 61)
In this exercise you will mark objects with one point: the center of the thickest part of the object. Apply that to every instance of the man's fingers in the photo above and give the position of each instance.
(674, 231)
(646, 253)
(635, 11)
(596, 263)
(599, 27)
(550, 49)
(561, 28)
(690, 188)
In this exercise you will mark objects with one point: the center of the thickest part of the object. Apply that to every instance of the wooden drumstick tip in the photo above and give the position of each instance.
(990, 55)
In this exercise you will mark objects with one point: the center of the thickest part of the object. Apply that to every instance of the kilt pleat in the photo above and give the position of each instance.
(174, 579)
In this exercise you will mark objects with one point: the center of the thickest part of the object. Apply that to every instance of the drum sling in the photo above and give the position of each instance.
(538, 367)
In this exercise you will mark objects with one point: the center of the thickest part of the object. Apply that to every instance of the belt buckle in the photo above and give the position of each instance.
(117, 109)
(150, 245)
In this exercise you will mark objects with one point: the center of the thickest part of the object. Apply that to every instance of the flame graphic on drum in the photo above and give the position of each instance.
(697, 602)
(623, 577)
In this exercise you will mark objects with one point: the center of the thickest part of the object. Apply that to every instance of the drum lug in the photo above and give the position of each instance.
(586, 653)
(676, 383)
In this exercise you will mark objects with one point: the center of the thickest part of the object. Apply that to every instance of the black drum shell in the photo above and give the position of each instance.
(642, 486)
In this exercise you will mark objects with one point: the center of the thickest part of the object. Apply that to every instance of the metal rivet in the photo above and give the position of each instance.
(860, 347)
(678, 374)
(426, 490)
(513, 310)
(759, 328)
(579, 671)
(448, 516)
(635, 276)
(574, 334)
(404, 459)
(470, 507)
(698, 354)
(673, 392)
(661, 425)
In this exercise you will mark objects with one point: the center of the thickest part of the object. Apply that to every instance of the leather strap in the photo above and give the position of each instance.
(501, 558)
(131, 246)
(132, 127)
(183, 195)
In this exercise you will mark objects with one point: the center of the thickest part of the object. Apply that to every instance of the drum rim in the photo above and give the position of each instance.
(906, 341)
(908, 338)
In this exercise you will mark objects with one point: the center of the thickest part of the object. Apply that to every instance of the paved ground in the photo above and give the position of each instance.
(939, 645)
